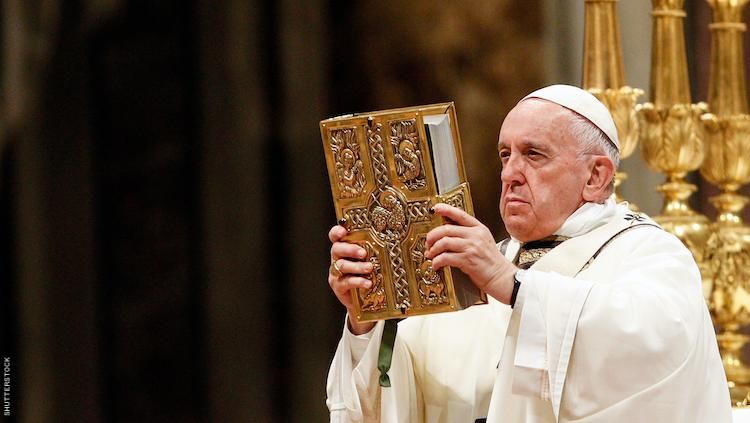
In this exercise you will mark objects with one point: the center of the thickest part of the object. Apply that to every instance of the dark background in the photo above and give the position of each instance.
(164, 202)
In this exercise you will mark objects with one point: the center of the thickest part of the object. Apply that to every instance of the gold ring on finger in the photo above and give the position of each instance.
(334, 269)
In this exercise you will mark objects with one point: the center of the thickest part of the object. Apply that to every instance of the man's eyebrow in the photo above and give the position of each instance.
(526, 144)
(535, 145)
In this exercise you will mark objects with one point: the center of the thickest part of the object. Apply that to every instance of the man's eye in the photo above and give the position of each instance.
(534, 154)
(504, 156)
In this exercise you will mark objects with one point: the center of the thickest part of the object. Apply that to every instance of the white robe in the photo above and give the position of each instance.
(628, 339)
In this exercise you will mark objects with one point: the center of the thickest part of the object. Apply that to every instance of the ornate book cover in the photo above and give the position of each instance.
(387, 169)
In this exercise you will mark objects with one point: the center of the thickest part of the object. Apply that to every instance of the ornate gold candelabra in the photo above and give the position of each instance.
(603, 76)
(727, 165)
(670, 127)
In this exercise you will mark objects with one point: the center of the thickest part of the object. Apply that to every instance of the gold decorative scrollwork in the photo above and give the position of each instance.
(418, 211)
(403, 299)
(375, 142)
(349, 172)
(456, 200)
(408, 155)
(432, 288)
(358, 218)
(729, 260)
(388, 215)
(373, 299)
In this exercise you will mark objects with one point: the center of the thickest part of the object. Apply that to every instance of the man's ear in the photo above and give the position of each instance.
(597, 188)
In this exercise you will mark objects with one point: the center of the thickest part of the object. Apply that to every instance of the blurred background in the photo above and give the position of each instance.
(164, 202)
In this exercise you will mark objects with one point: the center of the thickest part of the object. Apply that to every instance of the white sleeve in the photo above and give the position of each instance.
(353, 390)
(357, 343)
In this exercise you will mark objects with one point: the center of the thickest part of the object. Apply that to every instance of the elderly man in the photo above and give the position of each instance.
(595, 315)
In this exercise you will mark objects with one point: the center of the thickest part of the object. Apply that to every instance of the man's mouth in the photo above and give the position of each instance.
(514, 199)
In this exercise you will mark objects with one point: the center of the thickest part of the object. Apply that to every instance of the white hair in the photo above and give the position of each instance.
(592, 139)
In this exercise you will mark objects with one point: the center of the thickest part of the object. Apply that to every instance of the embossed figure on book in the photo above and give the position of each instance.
(431, 285)
(388, 217)
(373, 299)
(404, 139)
(348, 163)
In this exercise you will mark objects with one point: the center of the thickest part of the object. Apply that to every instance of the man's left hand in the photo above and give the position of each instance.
(467, 244)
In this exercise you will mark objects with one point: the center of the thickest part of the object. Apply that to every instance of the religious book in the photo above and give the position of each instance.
(387, 169)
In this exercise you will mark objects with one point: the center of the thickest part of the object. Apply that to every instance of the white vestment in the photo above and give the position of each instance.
(626, 339)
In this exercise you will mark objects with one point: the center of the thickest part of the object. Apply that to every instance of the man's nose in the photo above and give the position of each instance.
(512, 171)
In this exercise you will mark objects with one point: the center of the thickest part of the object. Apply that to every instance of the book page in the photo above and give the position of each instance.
(442, 151)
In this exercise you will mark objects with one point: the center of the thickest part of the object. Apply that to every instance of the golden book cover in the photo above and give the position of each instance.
(387, 169)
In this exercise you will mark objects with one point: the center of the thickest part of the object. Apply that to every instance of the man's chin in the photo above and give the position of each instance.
(517, 227)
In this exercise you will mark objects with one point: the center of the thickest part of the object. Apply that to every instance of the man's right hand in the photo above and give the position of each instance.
(348, 258)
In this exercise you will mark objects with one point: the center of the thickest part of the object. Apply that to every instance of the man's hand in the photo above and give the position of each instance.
(468, 245)
(346, 256)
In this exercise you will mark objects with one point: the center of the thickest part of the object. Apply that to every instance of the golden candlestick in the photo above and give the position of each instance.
(670, 127)
(603, 76)
(727, 165)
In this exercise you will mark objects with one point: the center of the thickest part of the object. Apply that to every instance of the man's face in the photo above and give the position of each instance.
(543, 176)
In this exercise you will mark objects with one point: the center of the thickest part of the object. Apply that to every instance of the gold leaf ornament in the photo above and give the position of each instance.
(727, 161)
(622, 105)
(672, 138)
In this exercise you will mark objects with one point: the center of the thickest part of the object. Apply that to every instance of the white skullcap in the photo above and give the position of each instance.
(583, 103)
